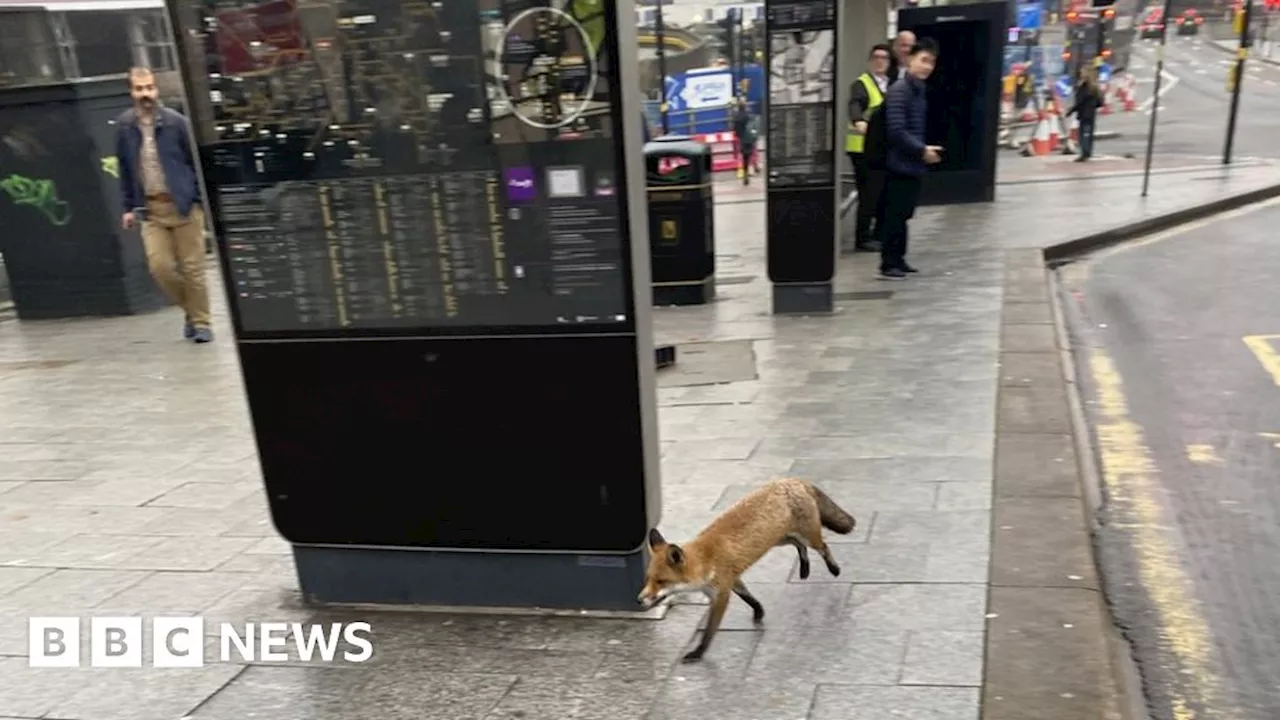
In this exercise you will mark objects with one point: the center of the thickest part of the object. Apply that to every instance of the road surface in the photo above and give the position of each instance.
(1195, 103)
(1178, 345)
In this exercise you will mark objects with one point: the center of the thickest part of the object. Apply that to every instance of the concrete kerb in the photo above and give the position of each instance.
(1125, 670)
(1056, 255)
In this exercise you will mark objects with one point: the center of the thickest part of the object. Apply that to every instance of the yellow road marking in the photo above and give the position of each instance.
(1271, 436)
(1264, 346)
(1129, 474)
(1203, 455)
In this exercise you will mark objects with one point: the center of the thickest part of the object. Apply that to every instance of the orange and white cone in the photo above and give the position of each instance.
(1055, 129)
(1072, 136)
(1130, 95)
(1028, 111)
(1039, 144)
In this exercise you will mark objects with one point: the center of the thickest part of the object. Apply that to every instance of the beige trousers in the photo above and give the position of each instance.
(175, 256)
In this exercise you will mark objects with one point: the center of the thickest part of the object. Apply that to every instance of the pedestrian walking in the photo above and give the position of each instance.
(1088, 98)
(744, 129)
(865, 96)
(157, 171)
(907, 158)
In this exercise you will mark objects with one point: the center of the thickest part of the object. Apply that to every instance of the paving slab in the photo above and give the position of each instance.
(129, 484)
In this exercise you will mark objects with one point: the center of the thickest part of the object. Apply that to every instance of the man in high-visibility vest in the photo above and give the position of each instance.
(866, 94)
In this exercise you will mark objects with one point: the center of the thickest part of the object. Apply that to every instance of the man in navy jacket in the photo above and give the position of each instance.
(907, 158)
(159, 189)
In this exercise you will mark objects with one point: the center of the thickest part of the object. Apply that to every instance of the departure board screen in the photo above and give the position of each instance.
(802, 68)
(427, 164)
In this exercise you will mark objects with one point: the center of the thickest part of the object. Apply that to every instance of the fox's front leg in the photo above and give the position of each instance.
(718, 606)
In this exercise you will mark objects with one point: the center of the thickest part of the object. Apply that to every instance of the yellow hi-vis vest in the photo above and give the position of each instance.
(853, 140)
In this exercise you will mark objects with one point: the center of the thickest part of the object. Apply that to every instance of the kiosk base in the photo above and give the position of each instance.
(803, 298)
(380, 576)
(690, 293)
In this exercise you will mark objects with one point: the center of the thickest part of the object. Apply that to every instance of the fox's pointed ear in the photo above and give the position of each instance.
(675, 555)
(656, 539)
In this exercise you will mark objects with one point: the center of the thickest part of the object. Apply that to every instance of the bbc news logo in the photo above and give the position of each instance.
(179, 642)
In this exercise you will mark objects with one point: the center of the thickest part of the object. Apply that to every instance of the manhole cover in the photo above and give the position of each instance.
(710, 363)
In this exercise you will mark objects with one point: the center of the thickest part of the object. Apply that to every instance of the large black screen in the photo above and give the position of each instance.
(802, 65)
(382, 165)
(957, 93)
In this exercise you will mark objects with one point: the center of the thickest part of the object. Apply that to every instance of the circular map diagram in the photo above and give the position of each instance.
(548, 68)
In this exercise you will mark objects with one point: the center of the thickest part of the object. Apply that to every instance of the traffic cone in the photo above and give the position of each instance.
(1039, 144)
(1028, 111)
(1130, 97)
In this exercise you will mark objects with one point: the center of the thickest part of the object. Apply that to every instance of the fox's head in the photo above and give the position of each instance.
(669, 572)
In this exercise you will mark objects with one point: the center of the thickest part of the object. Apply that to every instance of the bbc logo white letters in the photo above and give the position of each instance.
(116, 642)
(178, 642)
(54, 642)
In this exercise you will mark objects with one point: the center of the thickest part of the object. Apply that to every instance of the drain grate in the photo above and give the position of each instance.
(863, 295)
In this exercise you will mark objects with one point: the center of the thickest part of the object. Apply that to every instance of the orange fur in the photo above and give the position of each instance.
(787, 511)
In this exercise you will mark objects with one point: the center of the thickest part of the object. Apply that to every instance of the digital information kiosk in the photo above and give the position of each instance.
(802, 193)
(964, 97)
(431, 222)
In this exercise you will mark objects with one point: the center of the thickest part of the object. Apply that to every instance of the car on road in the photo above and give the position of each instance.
(1189, 23)
(1152, 23)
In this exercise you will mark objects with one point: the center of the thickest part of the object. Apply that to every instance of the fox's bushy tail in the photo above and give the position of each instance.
(832, 516)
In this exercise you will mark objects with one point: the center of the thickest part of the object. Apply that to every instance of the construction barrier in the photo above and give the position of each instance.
(1127, 92)
(724, 151)
(1050, 131)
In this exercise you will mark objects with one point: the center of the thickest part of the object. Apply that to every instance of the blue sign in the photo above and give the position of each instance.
(1104, 73)
(675, 87)
(1063, 86)
(1029, 15)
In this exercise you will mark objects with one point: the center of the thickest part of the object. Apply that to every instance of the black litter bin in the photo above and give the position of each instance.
(681, 221)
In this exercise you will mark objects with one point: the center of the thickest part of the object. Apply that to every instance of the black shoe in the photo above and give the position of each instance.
(892, 275)
(907, 268)
(868, 246)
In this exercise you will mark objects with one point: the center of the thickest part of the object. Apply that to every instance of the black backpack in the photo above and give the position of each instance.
(875, 146)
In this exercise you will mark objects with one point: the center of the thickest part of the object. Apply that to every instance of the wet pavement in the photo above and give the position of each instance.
(1180, 342)
(129, 485)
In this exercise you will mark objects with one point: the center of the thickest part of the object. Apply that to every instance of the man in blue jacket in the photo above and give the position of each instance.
(907, 158)
(159, 190)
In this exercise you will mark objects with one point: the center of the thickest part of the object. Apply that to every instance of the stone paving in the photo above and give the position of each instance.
(129, 485)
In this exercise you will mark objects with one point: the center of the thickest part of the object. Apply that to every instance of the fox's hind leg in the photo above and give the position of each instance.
(814, 539)
(757, 610)
(799, 545)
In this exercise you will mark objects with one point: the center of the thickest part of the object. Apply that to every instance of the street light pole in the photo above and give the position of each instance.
(1241, 53)
(738, 69)
(660, 34)
(1155, 98)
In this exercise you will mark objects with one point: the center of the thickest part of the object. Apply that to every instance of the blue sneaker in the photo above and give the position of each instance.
(203, 335)
(188, 330)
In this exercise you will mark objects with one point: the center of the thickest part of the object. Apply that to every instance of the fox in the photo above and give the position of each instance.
(786, 511)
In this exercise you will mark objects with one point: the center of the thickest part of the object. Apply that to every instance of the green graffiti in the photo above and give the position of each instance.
(111, 166)
(40, 194)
